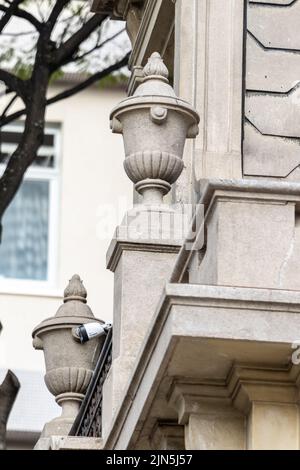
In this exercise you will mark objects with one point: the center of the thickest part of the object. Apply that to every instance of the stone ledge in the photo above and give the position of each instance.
(200, 332)
(161, 230)
(281, 188)
(69, 443)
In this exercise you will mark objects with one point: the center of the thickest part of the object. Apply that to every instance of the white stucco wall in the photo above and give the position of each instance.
(91, 175)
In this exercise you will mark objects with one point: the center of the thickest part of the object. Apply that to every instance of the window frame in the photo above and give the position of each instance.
(52, 176)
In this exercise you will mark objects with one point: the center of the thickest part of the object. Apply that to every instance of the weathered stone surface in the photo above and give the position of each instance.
(275, 26)
(199, 333)
(275, 70)
(69, 443)
(69, 364)
(274, 115)
(208, 73)
(268, 155)
(155, 125)
(245, 227)
(271, 134)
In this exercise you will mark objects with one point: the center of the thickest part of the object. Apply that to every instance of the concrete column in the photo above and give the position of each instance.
(209, 74)
(211, 422)
(215, 429)
(270, 400)
(141, 265)
(273, 426)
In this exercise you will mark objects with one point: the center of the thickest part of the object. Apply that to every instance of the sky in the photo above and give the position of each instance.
(19, 38)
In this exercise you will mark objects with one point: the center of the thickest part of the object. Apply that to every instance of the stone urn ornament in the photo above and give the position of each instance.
(69, 364)
(155, 124)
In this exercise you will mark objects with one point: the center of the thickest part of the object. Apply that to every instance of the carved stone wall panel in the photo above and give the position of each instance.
(275, 114)
(268, 155)
(275, 25)
(274, 2)
(272, 101)
(271, 70)
(209, 73)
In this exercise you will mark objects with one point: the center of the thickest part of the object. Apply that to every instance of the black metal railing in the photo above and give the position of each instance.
(88, 422)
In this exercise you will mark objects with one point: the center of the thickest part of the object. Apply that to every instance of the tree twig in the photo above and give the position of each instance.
(98, 46)
(19, 12)
(70, 47)
(15, 84)
(9, 11)
(72, 91)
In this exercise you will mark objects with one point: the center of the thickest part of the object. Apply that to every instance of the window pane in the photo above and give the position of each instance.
(14, 137)
(24, 247)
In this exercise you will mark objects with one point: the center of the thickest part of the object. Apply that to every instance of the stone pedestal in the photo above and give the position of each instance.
(253, 236)
(142, 256)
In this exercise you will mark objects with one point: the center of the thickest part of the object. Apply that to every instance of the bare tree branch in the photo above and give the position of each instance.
(16, 35)
(56, 11)
(9, 11)
(49, 58)
(89, 81)
(15, 84)
(10, 103)
(98, 46)
(8, 393)
(72, 91)
(70, 47)
(21, 14)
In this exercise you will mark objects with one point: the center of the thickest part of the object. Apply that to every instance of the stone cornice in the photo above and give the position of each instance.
(244, 385)
(268, 304)
(153, 34)
(117, 247)
(154, 13)
(117, 9)
(276, 189)
(149, 24)
(198, 295)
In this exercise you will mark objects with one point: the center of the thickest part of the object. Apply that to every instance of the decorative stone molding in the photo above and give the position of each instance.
(167, 436)
(242, 404)
(155, 124)
(150, 27)
(117, 8)
(243, 385)
(129, 10)
(69, 364)
(271, 133)
(69, 443)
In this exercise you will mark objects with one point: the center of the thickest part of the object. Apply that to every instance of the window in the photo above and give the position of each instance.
(28, 248)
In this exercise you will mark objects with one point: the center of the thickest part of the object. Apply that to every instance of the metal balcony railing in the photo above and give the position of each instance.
(88, 422)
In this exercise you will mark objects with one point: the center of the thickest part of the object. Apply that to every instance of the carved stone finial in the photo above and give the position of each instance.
(155, 124)
(75, 290)
(156, 66)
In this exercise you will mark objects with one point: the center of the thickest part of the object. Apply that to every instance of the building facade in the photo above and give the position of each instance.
(51, 230)
(205, 343)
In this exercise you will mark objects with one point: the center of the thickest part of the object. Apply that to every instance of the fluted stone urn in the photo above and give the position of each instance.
(69, 364)
(155, 124)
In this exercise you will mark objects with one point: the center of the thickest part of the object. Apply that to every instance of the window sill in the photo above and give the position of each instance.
(29, 289)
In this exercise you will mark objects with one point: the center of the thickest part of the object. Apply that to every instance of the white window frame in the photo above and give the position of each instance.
(51, 175)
